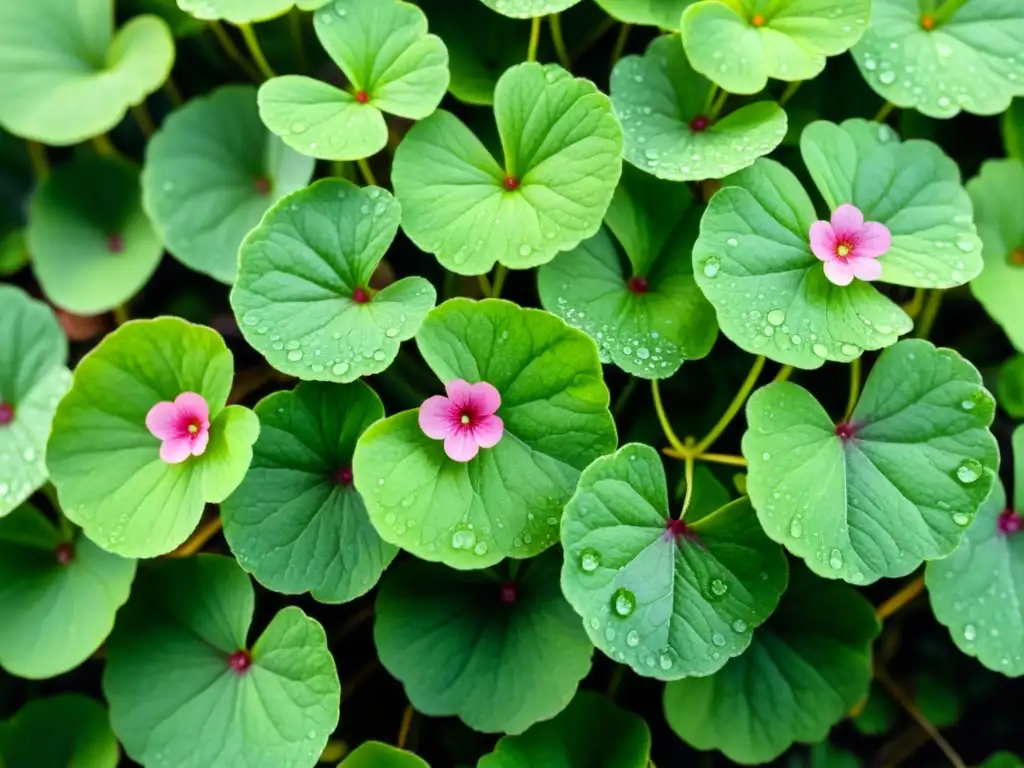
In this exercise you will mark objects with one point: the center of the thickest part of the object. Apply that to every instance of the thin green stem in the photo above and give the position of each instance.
(37, 156)
(103, 145)
(688, 475)
(599, 31)
(716, 108)
(253, 44)
(620, 42)
(173, 94)
(449, 286)
(884, 111)
(710, 98)
(928, 314)
(531, 51)
(784, 373)
(615, 681)
(791, 89)
(500, 273)
(851, 401)
(555, 22)
(734, 407)
(946, 10)
(723, 458)
(485, 285)
(666, 427)
(364, 168)
(295, 29)
(624, 395)
(67, 530)
(232, 50)
(141, 114)
(121, 314)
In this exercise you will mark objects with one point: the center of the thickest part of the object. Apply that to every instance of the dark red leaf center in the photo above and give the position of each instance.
(509, 592)
(64, 552)
(360, 296)
(637, 285)
(240, 661)
(846, 431)
(6, 414)
(262, 185)
(699, 123)
(1009, 522)
(362, 96)
(343, 476)
(511, 183)
(115, 242)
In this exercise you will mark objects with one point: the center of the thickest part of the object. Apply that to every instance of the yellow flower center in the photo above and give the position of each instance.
(842, 250)
(193, 428)
(464, 418)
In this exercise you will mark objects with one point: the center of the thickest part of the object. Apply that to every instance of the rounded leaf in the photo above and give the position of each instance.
(67, 76)
(562, 147)
(104, 461)
(895, 485)
(180, 636)
(211, 172)
(296, 522)
(499, 656)
(375, 754)
(525, 9)
(92, 245)
(302, 298)
(666, 14)
(970, 61)
(63, 731)
(1010, 386)
(33, 350)
(506, 502)
(236, 11)
(663, 103)
(667, 597)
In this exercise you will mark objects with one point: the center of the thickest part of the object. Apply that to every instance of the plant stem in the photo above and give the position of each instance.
(624, 395)
(906, 594)
(670, 434)
(928, 314)
(351, 625)
(716, 108)
(791, 89)
(295, 28)
(403, 730)
(620, 42)
(555, 22)
(913, 307)
(253, 44)
(364, 168)
(531, 51)
(173, 94)
(141, 114)
(884, 111)
(784, 373)
(851, 401)
(723, 458)
(734, 406)
(946, 10)
(121, 314)
(688, 477)
(485, 285)
(103, 145)
(232, 51)
(67, 530)
(615, 681)
(37, 156)
(198, 539)
(500, 273)
(600, 31)
(904, 701)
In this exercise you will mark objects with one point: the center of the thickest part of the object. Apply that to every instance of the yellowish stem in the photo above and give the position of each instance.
(531, 51)
(253, 44)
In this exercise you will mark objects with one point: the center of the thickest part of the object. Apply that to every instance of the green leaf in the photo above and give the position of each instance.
(996, 193)
(894, 485)
(14, 255)
(58, 596)
(658, 96)
(803, 672)
(33, 350)
(393, 65)
(481, 45)
(92, 246)
(669, 598)
(591, 731)
(977, 591)
(67, 76)
(236, 11)
(302, 297)
(791, 43)
(181, 24)
(562, 147)
(911, 187)
(499, 656)
(175, 698)
(506, 502)
(878, 714)
(647, 331)
(754, 263)
(1002, 760)
(825, 755)
(1013, 130)
(296, 523)
(63, 731)
(211, 172)
(656, 13)
(105, 463)
(525, 9)
(970, 61)
(374, 754)
(1010, 386)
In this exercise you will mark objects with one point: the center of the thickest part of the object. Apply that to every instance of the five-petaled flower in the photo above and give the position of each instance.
(465, 419)
(850, 246)
(183, 426)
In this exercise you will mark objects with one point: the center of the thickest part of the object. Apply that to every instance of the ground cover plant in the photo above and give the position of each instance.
(511, 383)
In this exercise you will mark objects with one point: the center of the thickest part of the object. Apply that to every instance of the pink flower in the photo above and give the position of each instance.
(465, 419)
(849, 246)
(184, 426)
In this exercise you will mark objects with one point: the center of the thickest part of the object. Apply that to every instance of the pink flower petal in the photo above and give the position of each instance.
(193, 407)
(437, 417)
(823, 240)
(486, 399)
(459, 392)
(200, 441)
(488, 431)
(874, 240)
(866, 269)
(176, 450)
(163, 420)
(839, 272)
(846, 221)
(461, 446)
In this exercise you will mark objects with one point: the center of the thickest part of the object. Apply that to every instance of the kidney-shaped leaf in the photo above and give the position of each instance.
(666, 14)
(739, 44)
(650, 321)
(296, 522)
(33, 378)
(662, 103)
(392, 63)
(803, 672)
(186, 690)
(67, 76)
(525, 9)
(970, 61)
(590, 732)
(106, 464)
(670, 598)
(63, 731)
(896, 484)
(563, 150)
(58, 596)
(501, 656)
(212, 171)
(238, 11)
(376, 754)
(506, 502)
(303, 299)
(996, 193)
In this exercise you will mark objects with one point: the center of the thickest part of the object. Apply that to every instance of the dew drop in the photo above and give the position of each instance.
(665, 662)
(295, 355)
(719, 587)
(776, 317)
(590, 560)
(796, 528)
(969, 471)
(718, 640)
(961, 519)
(623, 602)
(970, 633)
(633, 638)
(340, 369)
(739, 626)
(835, 559)
(820, 350)
(463, 540)
(712, 267)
